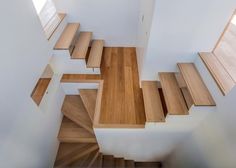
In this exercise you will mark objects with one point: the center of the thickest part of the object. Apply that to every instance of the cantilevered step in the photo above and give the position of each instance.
(81, 46)
(95, 56)
(67, 37)
(108, 161)
(174, 99)
(120, 163)
(152, 102)
(89, 97)
(218, 72)
(80, 78)
(70, 153)
(197, 88)
(73, 108)
(129, 164)
(71, 132)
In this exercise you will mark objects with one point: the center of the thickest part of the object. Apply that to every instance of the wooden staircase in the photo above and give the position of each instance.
(77, 45)
(78, 145)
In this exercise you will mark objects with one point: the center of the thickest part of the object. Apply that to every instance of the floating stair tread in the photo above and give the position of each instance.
(98, 162)
(71, 132)
(129, 164)
(82, 45)
(174, 99)
(147, 164)
(119, 163)
(95, 55)
(89, 97)
(152, 102)
(218, 72)
(80, 78)
(108, 161)
(197, 88)
(69, 153)
(67, 36)
(73, 108)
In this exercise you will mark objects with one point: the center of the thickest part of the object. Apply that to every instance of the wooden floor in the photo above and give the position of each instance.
(122, 101)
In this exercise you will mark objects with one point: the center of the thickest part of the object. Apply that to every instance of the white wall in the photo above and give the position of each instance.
(212, 144)
(28, 134)
(115, 21)
(180, 29)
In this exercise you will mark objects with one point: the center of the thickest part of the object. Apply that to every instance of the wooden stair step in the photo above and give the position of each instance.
(218, 72)
(108, 161)
(98, 162)
(95, 55)
(147, 164)
(89, 97)
(71, 132)
(73, 108)
(69, 153)
(86, 161)
(173, 97)
(197, 88)
(80, 78)
(129, 164)
(82, 45)
(119, 163)
(152, 102)
(67, 37)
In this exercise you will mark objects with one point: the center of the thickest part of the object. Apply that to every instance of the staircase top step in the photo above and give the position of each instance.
(73, 108)
(71, 132)
(174, 99)
(218, 72)
(82, 45)
(152, 102)
(95, 56)
(69, 153)
(67, 36)
(89, 97)
(197, 88)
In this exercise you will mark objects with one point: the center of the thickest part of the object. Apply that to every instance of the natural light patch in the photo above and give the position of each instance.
(234, 20)
(39, 5)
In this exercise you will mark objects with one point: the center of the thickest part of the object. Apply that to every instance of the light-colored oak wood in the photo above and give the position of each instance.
(71, 132)
(108, 161)
(122, 99)
(82, 45)
(81, 78)
(70, 153)
(173, 97)
(152, 102)
(197, 88)
(67, 37)
(73, 108)
(218, 72)
(89, 97)
(95, 55)
(129, 164)
(119, 163)
(40, 89)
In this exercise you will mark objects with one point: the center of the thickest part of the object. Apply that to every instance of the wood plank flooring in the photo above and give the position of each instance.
(122, 101)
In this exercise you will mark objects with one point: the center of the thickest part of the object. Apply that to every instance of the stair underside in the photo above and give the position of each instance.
(218, 72)
(82, 45)
(67, 37)
(173, 97)
(152, 102)
(89, 97)
(74, 109)
(197, 88)
(69, 153)
(71, 132)
(95, 56)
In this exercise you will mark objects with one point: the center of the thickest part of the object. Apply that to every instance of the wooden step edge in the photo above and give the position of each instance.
(173, 96)
(81, 78)
(152, 102)
(95, 55)
(197, 89)
(94, 159)
(222, 78)
(67, 37)
(75, 155)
